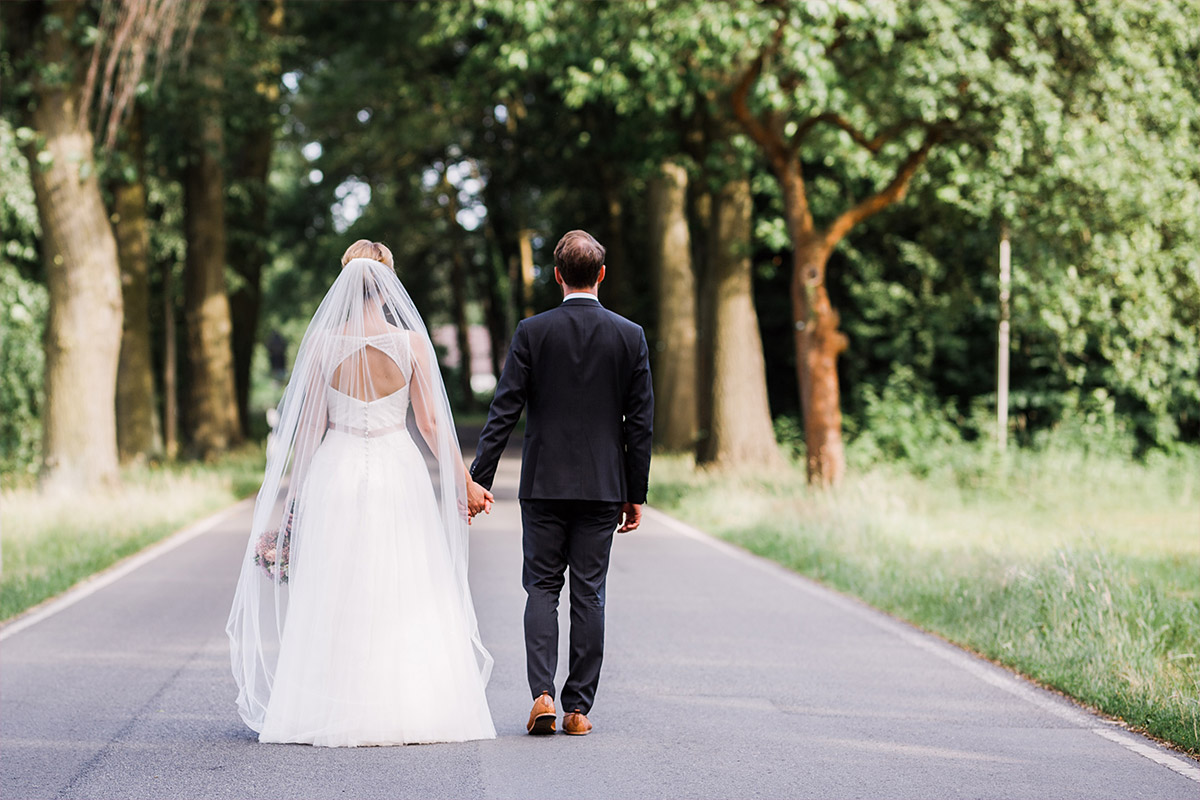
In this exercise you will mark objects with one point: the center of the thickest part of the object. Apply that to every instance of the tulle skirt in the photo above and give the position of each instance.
(376, 648)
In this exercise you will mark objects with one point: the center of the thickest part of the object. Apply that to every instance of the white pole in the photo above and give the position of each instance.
(1002, 355)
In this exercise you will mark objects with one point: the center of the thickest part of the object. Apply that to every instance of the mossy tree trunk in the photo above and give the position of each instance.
(138, 435)
(83, 329)
(211, 405)
(253, 168)
(740, 433)
(675, 376)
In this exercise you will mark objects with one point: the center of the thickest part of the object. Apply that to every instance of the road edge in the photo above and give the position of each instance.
(997, 675)
(114, 572)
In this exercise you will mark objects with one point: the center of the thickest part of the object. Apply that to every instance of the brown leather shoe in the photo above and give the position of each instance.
(541, 718)
(576, 724)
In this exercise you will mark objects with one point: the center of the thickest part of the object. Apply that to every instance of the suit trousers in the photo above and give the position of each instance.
(558, 535)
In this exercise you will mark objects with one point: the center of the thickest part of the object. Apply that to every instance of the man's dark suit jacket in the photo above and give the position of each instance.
(584, 374)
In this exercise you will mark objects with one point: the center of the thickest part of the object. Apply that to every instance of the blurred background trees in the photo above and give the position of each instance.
(801, 202)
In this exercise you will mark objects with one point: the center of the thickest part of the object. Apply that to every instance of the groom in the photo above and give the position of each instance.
(584, 374)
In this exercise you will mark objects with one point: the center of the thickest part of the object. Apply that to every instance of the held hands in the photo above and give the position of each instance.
(478, 499)
(632, 516)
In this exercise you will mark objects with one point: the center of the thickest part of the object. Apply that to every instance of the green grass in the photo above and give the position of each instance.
(49, 545)
(1080, 571)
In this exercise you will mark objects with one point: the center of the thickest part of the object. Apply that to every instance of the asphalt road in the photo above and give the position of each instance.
(725, 676)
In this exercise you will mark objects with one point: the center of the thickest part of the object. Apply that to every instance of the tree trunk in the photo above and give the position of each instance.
(253, 170)
(458, 294)
(503, 304)
(618, 282)
(523, 288)
(245, 304)
(741, 432)
(83, 330)
(497, 306)
(137, 418)
(701, 216)
(675, 375)
(212, 403)
(818, 342)
(170, 368)
(458, 291)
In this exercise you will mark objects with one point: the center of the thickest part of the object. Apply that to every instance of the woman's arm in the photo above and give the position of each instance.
(425, 415)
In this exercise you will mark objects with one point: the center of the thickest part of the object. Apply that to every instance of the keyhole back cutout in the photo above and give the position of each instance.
(368, 374)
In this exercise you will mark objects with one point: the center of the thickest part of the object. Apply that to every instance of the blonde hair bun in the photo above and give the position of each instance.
(365, 248)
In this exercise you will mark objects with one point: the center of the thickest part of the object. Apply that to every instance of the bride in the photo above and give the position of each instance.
(352, 623)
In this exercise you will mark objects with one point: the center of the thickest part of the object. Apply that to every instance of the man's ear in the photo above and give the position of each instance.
(558, 277)
(600, 277)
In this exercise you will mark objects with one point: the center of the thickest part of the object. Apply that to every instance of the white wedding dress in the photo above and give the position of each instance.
(377, 646)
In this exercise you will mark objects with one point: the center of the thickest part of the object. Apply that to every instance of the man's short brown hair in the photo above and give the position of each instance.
(579, 258)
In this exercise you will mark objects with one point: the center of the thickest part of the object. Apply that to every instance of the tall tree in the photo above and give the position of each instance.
(248, 215)
(818, 340)
(459, 288)
(675, 377)
(618, 290)
(137, 416)
(83, 332)
(738, 428)
(881, 90)
(211, 406)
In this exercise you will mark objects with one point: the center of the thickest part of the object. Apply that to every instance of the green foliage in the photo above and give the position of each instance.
(1099, 323)
(1080, 569)
(1096, 174)
(1072, 125)
(1097, 327)
(18, 211)
(23, 306)
(789, 432)
(904, 423)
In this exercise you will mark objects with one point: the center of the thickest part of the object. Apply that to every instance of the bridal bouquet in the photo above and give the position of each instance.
(272, 554)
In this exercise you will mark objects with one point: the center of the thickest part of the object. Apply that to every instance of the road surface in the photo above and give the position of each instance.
(725, 676)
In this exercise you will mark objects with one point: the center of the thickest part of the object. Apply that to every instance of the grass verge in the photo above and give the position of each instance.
(1080, 571)
(49, 545)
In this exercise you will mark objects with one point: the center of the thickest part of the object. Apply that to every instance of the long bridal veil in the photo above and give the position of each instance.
(365, 344)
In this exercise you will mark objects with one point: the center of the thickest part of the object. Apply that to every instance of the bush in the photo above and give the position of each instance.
(904, 422)
(789, 432)
(23, 306)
